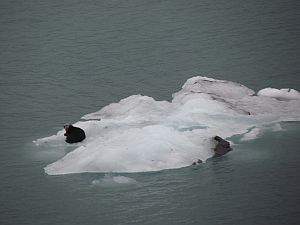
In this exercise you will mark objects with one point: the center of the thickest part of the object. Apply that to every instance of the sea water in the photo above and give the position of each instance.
(126, 71)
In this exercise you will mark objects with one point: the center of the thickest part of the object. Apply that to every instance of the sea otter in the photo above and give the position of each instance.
(73, 134)
(222, 147)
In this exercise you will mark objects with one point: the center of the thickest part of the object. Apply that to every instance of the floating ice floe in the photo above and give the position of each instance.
(111, 181)
(141, 134)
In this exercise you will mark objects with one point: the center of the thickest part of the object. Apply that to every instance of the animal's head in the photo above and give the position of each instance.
(67, 126)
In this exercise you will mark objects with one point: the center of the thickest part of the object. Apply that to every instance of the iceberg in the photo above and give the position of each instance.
(140, 134)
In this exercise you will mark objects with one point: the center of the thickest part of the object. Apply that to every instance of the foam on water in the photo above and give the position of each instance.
(141, 134)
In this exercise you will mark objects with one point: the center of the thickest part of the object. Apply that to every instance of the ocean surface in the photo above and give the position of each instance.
(62, 60)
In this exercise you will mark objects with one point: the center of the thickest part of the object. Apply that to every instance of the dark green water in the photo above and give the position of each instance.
(60, 60)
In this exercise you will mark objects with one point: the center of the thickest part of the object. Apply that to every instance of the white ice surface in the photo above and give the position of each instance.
(285, 93)
(141, 134)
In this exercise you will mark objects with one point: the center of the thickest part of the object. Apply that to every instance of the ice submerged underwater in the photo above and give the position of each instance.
(140, 134)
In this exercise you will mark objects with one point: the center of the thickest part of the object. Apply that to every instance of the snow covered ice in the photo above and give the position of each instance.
(141, 134)
(284, 93)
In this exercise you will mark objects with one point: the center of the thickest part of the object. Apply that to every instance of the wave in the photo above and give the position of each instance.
(140, 134)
